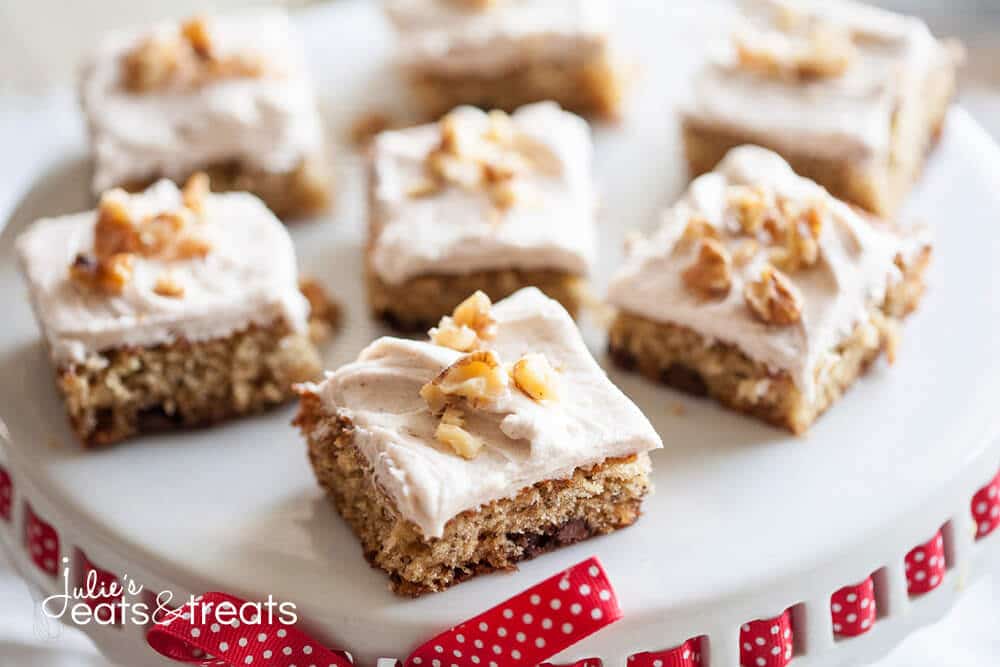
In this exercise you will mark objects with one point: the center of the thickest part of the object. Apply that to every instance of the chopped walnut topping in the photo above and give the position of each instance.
(118, 238)
(476, 312)
(773, 298)
(476, 379)
(151, 64)
(797, 233)
(471, 322)
(534, 375)
(825, 52)
(451, 431)
(168, 286)
(184, 60)
(698, 228)
(109, 275)
(195, 31)
(750, 205)
(711, 274)
(195, 190)
(490, 160)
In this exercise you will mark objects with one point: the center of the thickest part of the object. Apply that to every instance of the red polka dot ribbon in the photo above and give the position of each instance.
(6, 494)
(985, 507)
(687, 654)
(223, 630)
(925, 566)
(853, 609)
(42, 542)
(767, 643)
(530, 627)
(525, 630)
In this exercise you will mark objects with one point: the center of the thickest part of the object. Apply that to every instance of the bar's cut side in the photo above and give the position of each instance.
(545, 516)
(852, 97)
(171, 308)
(479, 201)
(478, 449)
(506, 55)
(229, 96)
(764, 292)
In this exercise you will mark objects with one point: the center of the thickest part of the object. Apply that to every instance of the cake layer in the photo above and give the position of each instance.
(267, 122)
(496, 536)
(524, 441)
(249, 276)
(549, 224)
(128, 391)
(443, 37)
(853, 264)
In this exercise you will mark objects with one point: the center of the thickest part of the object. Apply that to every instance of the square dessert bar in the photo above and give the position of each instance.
(479, 201)
(496, 441)
(228, 96)
(168, 308)
(763, 291)
(502, 54)
(851, 96)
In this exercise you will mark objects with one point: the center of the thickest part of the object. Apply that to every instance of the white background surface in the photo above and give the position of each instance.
(969, 636)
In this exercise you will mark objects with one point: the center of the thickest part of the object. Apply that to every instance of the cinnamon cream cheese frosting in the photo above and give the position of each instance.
(456, 37)
(525, 441)
(247, 276)
(852, 264)
(823, 77)
(546, 223)
(268, 121)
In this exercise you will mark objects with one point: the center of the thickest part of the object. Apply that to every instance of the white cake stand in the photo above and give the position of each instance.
(746, 521)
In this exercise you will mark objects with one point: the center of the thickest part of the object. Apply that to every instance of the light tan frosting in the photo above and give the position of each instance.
(441, 36)
(457, 231)
(250, 276)
(849, 115)
(855, 266)
(525, 442)
(269, 122)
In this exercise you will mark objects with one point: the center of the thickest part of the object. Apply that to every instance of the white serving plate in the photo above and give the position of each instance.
(746, 521)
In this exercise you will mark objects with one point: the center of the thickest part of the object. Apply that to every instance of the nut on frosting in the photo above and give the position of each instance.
(471, 323)
(492, 160)
(118, 238)
(185, 59)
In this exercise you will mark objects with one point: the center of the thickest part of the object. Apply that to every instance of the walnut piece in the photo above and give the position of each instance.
(475, 379)
(469, 324)
(711, 274)
(451, 431)
(168, 286)
(773, 299)
(118, 238)
(750, 205)
(185, 60)
(796, 232)
(324, 311)
(698, 228)
(109, 275)
(492, 160)
(534, 375)
(823, 52)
